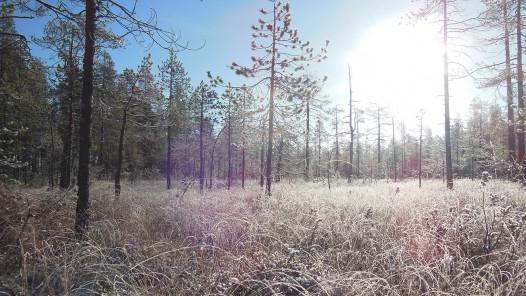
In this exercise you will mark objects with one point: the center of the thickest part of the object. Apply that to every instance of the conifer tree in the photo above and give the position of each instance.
(176, 81)
(281, 55)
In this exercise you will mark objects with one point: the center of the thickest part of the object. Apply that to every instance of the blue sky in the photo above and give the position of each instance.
(393, 65)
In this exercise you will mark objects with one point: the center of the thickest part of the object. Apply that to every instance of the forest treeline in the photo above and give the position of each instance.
(149, 122)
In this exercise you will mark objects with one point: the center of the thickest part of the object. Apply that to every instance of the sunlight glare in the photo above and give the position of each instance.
(400, 67)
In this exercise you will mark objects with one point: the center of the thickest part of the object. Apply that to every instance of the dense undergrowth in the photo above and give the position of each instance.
(373, 239)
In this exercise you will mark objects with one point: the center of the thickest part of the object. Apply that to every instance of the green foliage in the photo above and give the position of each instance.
(176, 85)
(23, 105)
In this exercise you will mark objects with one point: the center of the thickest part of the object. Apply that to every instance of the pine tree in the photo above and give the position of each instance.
(175, 79)
(282, 54)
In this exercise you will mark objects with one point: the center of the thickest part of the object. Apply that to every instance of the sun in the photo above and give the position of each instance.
(400, 67)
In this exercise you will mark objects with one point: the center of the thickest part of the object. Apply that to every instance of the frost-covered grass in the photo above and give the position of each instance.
(361, 239)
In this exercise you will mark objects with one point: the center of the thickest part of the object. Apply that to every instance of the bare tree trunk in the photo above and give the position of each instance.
(82, 209)
(101, 142)
(268, 174)
(520, 89)
(307, 136)
(449, 166)
(262, 160)
(318, 169)
(472, 168)
(243, 164)
(169, 131)
(169, 156)
(211, 169)
(328, 163)
(403, 169)
(394, 151)
(52, 161)
(509, 90)
(229, 176)
(337, 144)
(66, 163)
(351, 149)
(420, 156)
(119, 153)
(101, 139)
(201, 146)
(212, 153)
(379, 161)
(357, 144)
(280, 159)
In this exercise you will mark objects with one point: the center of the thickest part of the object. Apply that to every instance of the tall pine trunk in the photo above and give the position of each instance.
(119, 153)
(101, 143)
(268, 174)
(52, 151)
(351, 149)
(420, 155)
(337, 144)
(509, 90)
(243, 164)
(379, 146)
(229, 138)
(357, 144)
(307, 136)
(201, 145)
(169, 133)
(65, 161)
(520, 89)
(449, 166)
(394, 152)
(82, 209)
(280, 159)
(262, 160)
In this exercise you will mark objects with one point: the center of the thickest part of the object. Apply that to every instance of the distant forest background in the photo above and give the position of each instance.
(150, 123)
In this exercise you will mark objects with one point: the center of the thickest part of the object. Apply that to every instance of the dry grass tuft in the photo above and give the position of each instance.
(381, 239)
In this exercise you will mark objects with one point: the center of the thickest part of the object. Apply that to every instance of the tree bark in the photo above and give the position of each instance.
(337, 144)
(420, 156)
(307, 136)
(379, 148)
(201, 145)
(509, 90)
(280, 159)
(394, 152)
(357, 145)
(101, 142)
(449, 166)
(262, 160)
(243, 164)
(229, 176)
(66, 162)
(52, 149)
(120, 152)
(351, 152)
(169, 132)
(268, 174)
(520, 90)
(82, 208)
(318, 169)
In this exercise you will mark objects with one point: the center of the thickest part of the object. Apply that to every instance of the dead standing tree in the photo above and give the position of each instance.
(443, 8)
